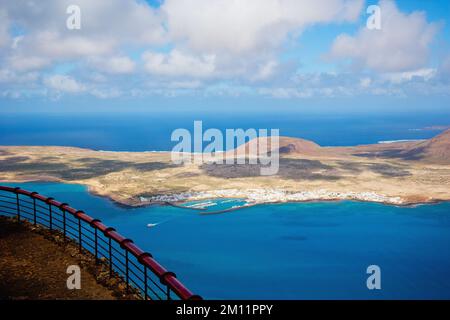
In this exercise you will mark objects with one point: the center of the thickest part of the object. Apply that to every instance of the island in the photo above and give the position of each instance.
(398, 173)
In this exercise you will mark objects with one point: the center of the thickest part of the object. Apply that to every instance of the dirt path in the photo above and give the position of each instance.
(33, 267)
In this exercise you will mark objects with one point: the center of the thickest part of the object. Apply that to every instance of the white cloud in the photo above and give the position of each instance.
(113, 65)
(54, 45)
(365, 82)
(210, 47)
(177, 63)
(401, 45)
(215, 39)
(27, 63)
(284, 93)
(444, 68)
(238, 27)
(4, 35)
(16, 41)
(266, 71)
(233, 39)
(10, 76)
(184, 84)
(63, 83)
(36, 51)
(398, 77)
(423, 82)
(121, 21)
(105, 27)
(106, 93)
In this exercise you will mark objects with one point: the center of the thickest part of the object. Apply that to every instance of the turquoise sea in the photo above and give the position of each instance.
(287, 251)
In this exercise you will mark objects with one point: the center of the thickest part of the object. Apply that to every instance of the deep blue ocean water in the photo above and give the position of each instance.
(288, 251)
(152, 131)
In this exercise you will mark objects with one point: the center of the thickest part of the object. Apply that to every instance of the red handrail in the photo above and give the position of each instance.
(166, 277)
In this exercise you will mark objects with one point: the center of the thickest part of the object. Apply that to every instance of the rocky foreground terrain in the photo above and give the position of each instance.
(397, 173)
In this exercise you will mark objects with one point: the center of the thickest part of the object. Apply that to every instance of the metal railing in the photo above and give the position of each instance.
(138, 268)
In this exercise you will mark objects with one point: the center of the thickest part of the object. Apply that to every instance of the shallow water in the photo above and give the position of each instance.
(287, 251)
(213, 206)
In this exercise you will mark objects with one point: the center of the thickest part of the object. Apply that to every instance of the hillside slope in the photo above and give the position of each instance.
(435, 150)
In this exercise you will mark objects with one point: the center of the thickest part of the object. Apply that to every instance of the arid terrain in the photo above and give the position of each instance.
(398, 173)
(34, 261)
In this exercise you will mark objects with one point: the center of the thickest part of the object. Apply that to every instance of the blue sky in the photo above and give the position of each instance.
(194, 54)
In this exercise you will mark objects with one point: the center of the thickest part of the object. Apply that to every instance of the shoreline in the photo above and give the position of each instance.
(176, 200)
(130, 204)
(412, 205)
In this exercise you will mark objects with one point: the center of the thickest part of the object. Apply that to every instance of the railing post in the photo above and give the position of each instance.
(110, 257)
(126, 269)
(141, 260)
(18, 206)
(32, 195)
(61, 207)
(64, 223)
(94, 225)
(96, 246)
(51, 216)
(164, 282)
(79, 235)
(50, 212)
(34, 211)
(124, 247)
(145, 283)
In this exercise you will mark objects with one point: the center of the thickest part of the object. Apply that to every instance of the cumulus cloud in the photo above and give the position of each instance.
(63, 83)
(4, 35)
(444, 69)
(236, 26)
(214, 39)
(106, 93)
(112, 20)
(27, 63)
(401, 45)
(11, 76)
(184, 84)
(210, 47)
(177, 63)
(106, 26)
(424, 74)
(266, 71)
(113, 65)
(349, 84)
